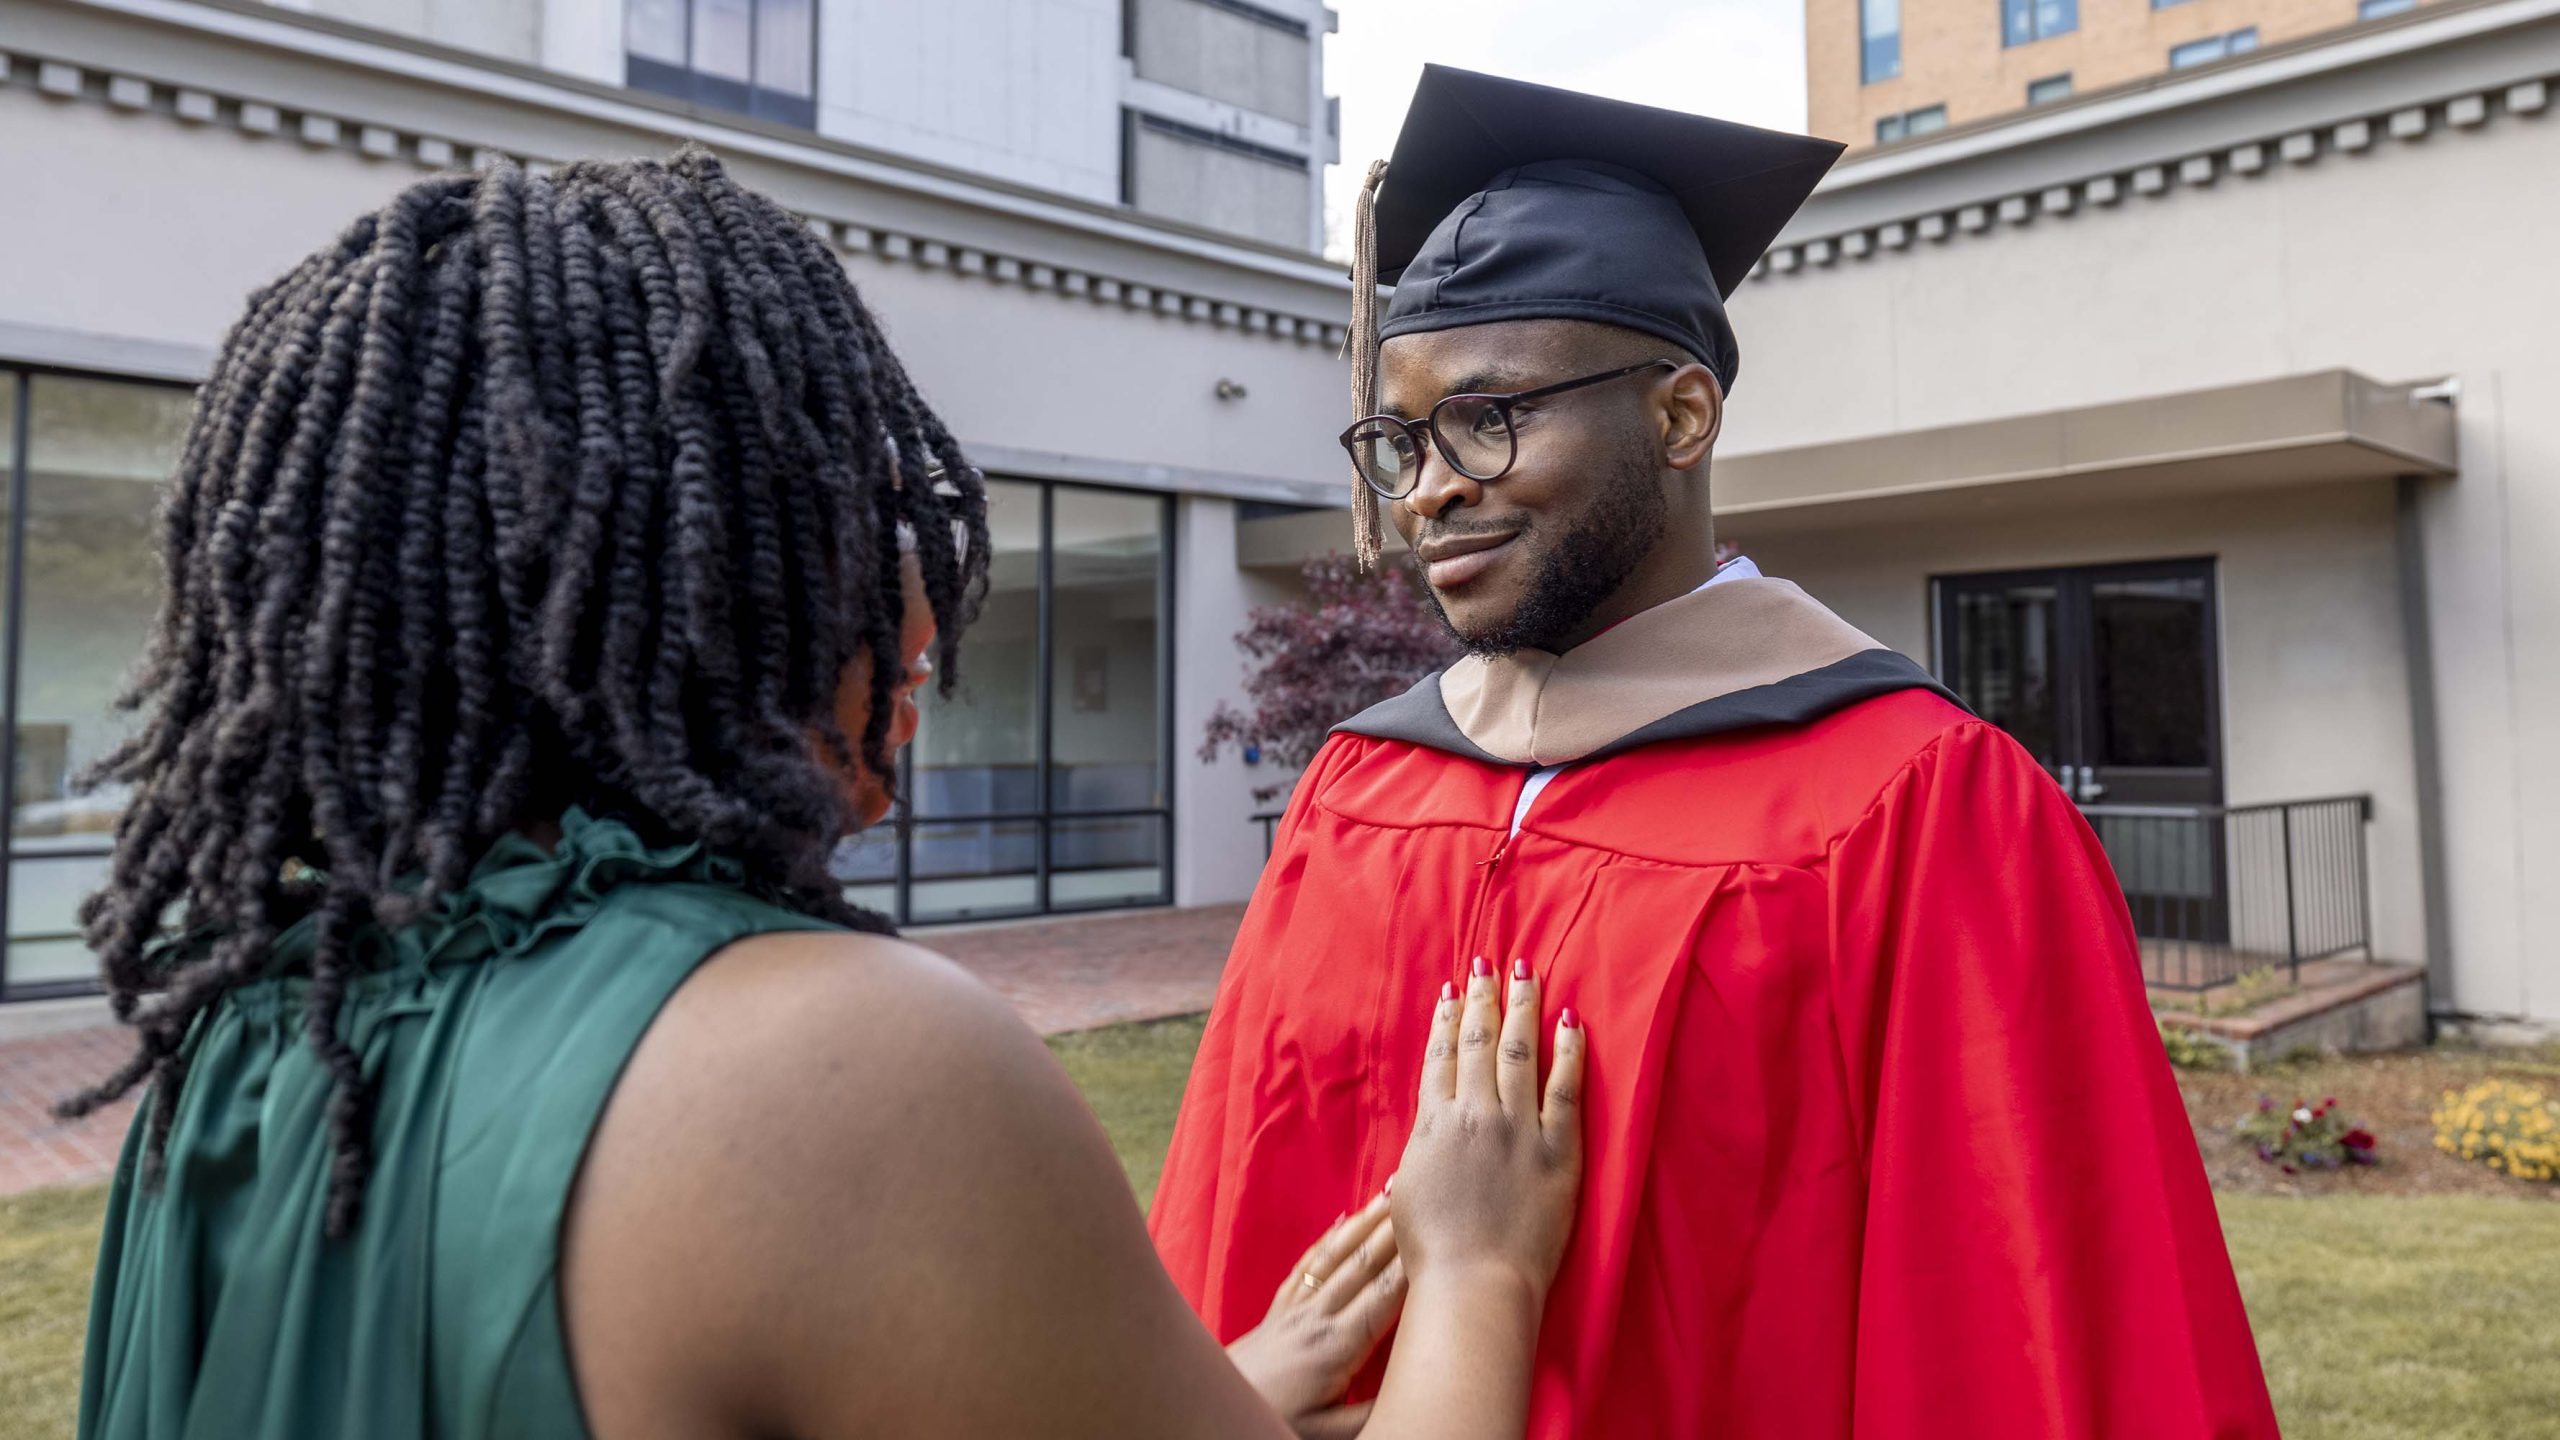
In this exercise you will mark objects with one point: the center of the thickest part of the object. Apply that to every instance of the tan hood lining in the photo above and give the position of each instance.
(1533, 708)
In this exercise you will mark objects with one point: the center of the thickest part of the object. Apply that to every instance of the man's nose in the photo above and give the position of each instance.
(1438, 488)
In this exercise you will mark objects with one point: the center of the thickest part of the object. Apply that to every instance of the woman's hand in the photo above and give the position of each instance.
(1330, 1312)
(1485, 1195)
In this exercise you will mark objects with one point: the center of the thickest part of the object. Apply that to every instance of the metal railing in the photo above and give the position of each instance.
(1269, 820)
(2218, 892)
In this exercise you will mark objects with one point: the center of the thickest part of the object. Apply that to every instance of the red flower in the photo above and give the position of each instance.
(2357, 1140)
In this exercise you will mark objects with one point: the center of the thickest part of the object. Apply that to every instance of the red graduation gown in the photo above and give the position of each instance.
(1881, 1139)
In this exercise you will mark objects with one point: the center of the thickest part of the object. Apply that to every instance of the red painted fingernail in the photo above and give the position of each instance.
(1448, 989)
(1519, 969)
(1569, 1020)
(1483, 967)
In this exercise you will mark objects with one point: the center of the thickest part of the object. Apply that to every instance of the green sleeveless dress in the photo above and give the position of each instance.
(492, 1034)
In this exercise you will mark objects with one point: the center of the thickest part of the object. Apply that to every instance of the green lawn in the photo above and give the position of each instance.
(1132, 1076)
(2381, 1317)
(48, 1240)
(2404, 1315)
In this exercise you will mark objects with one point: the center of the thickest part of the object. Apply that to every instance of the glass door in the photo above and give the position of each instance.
(2109, 676)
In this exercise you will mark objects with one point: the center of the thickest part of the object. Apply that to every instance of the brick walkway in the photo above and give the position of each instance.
(1100, 970)
(37, 1150)
(1062, 975)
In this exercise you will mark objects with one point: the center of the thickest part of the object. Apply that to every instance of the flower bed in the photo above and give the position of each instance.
(2503, 1124)
(2305, 1136)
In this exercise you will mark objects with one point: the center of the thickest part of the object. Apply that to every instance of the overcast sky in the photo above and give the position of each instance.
(1735, 59)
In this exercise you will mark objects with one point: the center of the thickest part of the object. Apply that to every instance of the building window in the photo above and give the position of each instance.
(1043, 785)
(2213, 47)
(84, 462)
(2166, 4)
(2049, 89)
(2026, 21)
(756, 57)
(1230, 50)
(1910, 123)
(1879, 40)
(2376, 9)
(1218, 182)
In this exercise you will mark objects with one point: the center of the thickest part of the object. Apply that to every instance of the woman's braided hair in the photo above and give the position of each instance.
(585, 488)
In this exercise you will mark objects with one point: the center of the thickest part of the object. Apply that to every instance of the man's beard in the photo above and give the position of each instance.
(1605, 543)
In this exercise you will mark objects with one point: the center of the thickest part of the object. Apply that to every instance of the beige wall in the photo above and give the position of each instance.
(1952, 55)
(2408, 261)
(2315, 696)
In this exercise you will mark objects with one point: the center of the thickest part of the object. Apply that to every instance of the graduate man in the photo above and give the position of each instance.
(1881, 1141)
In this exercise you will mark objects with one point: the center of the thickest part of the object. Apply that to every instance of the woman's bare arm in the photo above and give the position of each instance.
(843, 1191)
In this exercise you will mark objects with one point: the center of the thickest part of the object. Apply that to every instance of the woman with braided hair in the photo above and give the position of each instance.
(551, 565)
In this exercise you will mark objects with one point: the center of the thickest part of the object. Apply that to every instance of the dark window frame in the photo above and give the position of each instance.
(2033, 10)
(2227, 45)
(1900, 121)
(17, 392)
(1047, 818)
(1870, 73)
(2063, 79)
(716, 92)
(1232, 144)
(1271, 19)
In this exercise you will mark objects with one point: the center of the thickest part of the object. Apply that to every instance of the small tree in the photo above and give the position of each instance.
(1354, 641)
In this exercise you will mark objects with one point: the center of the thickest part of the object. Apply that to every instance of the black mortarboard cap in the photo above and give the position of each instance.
(1511, 201)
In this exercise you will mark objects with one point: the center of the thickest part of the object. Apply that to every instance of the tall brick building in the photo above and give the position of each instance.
(1878, 71)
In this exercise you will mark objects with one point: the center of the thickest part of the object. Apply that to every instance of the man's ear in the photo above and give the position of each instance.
(1693, 415)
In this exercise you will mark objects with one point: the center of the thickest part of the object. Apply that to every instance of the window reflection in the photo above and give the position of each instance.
(978, 751)
(1114, 861)
(980, 841)
(2007, 662)
(98, 455)
(1105, 744)
(962, 872)
(2153, 705)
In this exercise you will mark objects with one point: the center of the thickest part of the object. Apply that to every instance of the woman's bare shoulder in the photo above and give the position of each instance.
(811, 1050)
(818, 1127)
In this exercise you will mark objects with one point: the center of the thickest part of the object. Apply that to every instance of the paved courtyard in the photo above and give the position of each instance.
(1061, 974)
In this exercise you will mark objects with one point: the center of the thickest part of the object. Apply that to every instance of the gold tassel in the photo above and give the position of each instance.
(1367, 545)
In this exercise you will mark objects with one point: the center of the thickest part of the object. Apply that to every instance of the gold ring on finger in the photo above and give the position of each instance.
(1309, 1280)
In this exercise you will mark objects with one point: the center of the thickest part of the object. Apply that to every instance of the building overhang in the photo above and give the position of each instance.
(2326, 426)
(2323, 427)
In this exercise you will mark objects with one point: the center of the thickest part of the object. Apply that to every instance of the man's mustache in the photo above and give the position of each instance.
(1460, 529)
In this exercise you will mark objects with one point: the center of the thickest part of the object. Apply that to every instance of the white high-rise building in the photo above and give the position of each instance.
(1089, 227)
(1206, 112)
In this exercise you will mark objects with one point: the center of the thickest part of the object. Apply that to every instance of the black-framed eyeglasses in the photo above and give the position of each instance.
(1474, 433)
